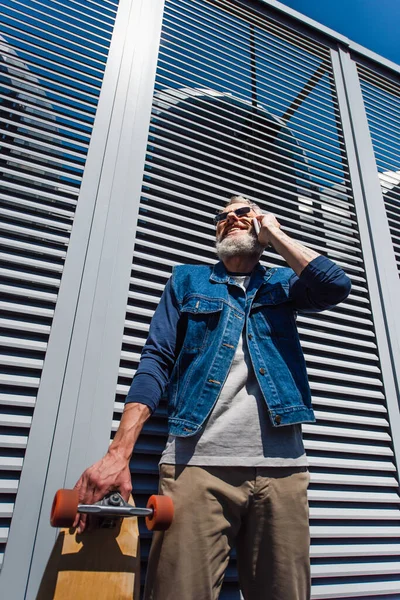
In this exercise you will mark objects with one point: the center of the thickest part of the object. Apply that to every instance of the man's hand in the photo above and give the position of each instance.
(112, 472)
(109, 474)
(268, 224)
(296, 254)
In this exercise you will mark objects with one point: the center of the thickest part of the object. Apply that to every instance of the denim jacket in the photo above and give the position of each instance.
(196, 328)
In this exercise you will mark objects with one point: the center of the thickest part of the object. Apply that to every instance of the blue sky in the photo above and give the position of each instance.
(371, 23)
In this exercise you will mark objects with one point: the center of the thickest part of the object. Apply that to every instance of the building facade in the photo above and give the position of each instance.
(124, 127)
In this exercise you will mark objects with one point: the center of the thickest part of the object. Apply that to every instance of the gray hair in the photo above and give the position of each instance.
(237, 198)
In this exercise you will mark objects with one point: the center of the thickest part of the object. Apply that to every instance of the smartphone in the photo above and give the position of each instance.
(256, 226)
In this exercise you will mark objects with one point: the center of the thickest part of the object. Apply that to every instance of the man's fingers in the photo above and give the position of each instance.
(82, 523)
(125, 491)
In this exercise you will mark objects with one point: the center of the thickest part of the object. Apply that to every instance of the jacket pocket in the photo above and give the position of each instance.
(274, 294)
(273, 312)
(201, 316)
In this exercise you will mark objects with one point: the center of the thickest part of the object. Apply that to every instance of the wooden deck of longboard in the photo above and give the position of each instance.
(103, 564)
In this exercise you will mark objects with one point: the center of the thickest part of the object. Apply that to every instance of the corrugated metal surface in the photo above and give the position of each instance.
(245, 104)
(52, 60)
(382, 104)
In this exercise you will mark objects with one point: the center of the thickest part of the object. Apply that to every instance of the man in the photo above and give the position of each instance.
(223, 341)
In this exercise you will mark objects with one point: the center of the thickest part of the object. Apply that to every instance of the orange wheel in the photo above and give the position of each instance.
(163, 513)
(64, 509)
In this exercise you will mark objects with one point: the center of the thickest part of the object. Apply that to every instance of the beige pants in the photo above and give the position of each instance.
(262, 512)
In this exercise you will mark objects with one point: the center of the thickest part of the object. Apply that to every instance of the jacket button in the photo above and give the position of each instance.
(278, 419)
(262, 371)
(250, 336)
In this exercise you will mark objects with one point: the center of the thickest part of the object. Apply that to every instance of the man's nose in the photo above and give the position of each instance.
(232, 216)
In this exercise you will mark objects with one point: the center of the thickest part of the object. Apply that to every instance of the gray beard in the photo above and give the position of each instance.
(245, 245)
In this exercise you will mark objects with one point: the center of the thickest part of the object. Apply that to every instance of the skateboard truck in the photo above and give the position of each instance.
(158, 513)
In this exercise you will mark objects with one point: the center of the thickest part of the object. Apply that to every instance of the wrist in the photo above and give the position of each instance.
(120, 452)
(272, 233)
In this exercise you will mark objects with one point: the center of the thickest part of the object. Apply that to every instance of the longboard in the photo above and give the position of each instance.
(102, 564)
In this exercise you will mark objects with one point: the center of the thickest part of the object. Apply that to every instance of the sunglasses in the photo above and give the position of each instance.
(239, 212)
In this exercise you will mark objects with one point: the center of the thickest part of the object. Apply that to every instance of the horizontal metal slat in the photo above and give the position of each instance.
(25, 326)
(53, 196)
(320, 445)
(353, 550)
(13, 441)
(31, 262)
(28, 232)
(19, 381)
(344, 463)
(8, 486)
(3, 535)
(305, 320)
(333, 430)
(369, 480)
(342, 376)
(316, 348)
(8, 463)
(348, 404)
(16, 399)
(28, 293)
(15, 420)
(33, 247)
(30, 277)
(356, 569)
(361, 392)
(354, 514)
(39, 206)
(333, 495)
(354, 590)
(357, 531)
(26, 309)
(20, 361)
(336, 338)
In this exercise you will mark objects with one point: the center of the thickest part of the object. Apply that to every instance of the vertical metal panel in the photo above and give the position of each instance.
(49, 91)
(379, 234)
(381, 96)
(114, 178)
(244, 104)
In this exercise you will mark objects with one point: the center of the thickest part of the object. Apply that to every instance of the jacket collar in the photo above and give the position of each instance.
(220, 275)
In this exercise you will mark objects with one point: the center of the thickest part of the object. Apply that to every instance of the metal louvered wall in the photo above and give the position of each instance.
(245, 104)
(247, 99)
(52, 60)
(382, 103)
